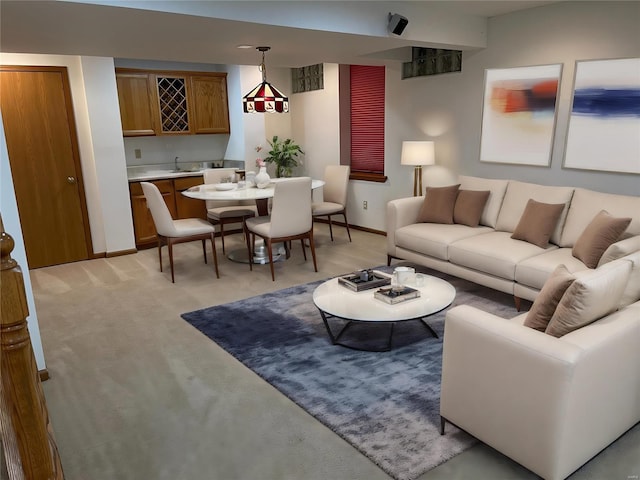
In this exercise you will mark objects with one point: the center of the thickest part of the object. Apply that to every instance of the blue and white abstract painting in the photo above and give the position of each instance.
(604, 126)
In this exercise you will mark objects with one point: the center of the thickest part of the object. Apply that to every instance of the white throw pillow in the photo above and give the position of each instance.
(593, 294)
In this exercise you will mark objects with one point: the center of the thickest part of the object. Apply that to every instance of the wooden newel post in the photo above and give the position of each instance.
(29, 448)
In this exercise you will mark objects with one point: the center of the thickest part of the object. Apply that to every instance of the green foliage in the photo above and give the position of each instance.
(284, 154)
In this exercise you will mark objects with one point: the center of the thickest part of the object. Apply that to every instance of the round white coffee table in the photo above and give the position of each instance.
(336, 301)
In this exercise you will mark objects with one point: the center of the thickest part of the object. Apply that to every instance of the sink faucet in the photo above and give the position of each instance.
(175, 163)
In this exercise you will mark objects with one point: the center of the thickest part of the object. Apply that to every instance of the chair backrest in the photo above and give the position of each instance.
(291, 211)
(215, 175)
(159, 210)
(336, 178)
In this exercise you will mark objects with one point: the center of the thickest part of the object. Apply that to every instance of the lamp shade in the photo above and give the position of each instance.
(265, 98)
(418, 153)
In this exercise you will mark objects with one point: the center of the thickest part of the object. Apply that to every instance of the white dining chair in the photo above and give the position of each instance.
(172, 231)
(334, 194)
(224, 212)
(290, 219)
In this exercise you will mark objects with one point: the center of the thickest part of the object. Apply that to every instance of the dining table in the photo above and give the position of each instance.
(242, 191)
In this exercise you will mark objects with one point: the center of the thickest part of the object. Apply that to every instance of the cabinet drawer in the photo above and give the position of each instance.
(187, 182)
(165, 186)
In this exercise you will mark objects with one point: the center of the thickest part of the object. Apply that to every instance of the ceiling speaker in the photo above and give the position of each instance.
(397, 23)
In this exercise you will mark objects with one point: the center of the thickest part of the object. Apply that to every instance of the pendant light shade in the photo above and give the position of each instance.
(265, 97)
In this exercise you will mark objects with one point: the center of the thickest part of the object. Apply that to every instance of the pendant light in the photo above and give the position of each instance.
(265, 97)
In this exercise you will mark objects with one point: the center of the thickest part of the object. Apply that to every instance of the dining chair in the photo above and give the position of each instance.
(172, 231)
(223, 212)
(290, 219)
(334, 193)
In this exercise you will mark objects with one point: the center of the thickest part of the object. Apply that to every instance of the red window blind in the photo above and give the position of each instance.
(367, 119)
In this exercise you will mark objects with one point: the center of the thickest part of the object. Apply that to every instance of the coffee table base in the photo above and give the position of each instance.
(335, 339)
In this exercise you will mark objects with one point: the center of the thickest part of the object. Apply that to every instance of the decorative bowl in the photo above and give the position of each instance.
(225, 186)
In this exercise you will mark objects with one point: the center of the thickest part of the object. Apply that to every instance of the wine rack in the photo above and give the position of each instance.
(172, 96)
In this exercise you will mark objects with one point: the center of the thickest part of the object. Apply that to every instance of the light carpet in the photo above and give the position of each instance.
(386, 404)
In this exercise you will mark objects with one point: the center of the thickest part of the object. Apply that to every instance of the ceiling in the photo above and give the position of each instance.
(210, 31)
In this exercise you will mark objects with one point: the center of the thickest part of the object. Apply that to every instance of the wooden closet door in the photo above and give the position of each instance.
(45, 164)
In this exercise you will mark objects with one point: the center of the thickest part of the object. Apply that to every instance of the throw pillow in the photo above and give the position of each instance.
(537, 223)
(597, 237)
(547, 300)
(438, 204)
(469, 206)
(592, 295)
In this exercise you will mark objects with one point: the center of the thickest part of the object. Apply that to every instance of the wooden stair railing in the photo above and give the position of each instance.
(30, 451)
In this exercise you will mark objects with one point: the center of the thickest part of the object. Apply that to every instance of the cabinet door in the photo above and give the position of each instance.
(143, 226)
(173, 104)
(189, 207)
(136, 104)
(209, 105)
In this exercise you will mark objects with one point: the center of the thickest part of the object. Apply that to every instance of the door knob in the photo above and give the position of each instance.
(71, 180)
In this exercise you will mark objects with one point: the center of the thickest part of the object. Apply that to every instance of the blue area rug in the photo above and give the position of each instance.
(386, 404)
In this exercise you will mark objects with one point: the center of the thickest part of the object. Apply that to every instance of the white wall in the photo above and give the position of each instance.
(448, 108)
(11, 222)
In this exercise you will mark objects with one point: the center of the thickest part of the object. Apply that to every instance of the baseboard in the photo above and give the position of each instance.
(355, 227)
(44, 375)
(119, 253)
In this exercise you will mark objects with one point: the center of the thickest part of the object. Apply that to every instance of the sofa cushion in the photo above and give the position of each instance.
(631, 292)
(534, 272)
(585, 204)
(547, 300)
(603, 231)
(433, 239)
(537, 223)
(592, 295)
(517, 196)
(438, 204)
(620, 249)
(469, 206)
(494, 253)
(496, 187)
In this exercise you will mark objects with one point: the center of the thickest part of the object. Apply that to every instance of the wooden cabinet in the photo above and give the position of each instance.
(189, 207)
(179, 206)
(210, 112)
(172, 103)
(136, 104)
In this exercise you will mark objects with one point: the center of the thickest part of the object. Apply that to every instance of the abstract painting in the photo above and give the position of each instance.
(604, 126)
(518, 116)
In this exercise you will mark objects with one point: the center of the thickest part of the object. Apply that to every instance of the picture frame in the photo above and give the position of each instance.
(519, 114)
(604, 122)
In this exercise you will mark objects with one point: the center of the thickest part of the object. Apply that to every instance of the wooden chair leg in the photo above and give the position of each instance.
(248, 237)
(204, 250)
(304, 250)
(273, 275)
(330, 227)
(222, 235)
(313, 251)
(346, 222)
(160, 251)
(170, 246)
(215, 255)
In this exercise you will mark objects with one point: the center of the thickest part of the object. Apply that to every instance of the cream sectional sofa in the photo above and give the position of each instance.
(487, 254)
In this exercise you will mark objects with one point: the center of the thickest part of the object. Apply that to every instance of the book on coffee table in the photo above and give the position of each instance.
(364, 280)
(392, 295)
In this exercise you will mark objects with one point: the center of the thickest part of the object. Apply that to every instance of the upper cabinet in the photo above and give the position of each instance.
(178, 103)
(135, 95)
(210, 105)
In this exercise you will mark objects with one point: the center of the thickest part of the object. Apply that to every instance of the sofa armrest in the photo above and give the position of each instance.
(400, 213)
(548, 404)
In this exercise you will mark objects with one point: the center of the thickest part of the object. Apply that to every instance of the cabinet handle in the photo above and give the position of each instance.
(71, 180)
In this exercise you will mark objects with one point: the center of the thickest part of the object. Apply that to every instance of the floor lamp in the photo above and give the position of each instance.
(417, 154)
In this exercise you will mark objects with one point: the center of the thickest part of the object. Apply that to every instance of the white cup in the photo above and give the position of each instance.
(405, 275)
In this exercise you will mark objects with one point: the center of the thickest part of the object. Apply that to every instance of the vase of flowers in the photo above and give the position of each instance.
(262, 178)
(284, 154)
